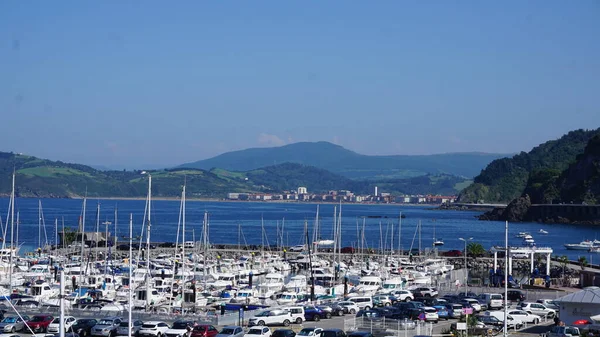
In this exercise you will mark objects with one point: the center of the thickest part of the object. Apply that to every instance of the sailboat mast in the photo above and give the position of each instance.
(400, 234)
(130, 306)
(39, 224)
(183, 279)
(148, 276)
(12, 230)
(83, 235)
(97, 227)
(116, 220)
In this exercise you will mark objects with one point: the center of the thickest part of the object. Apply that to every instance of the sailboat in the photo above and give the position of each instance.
(436, 242)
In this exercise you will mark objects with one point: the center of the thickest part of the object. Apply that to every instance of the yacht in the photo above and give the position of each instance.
(522, 234)
(438, 242)
(583, 245)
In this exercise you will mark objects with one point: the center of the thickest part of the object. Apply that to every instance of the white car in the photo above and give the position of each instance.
(537, 309)
(298, 248)
(153, 329)
(258, 331)
(310, 332)
(473, 303)
(524, 316)
(403, 295)
(550, 304)
(54, 327)
(271, 317)
(431, 314)
(349, 307)
(179, 328)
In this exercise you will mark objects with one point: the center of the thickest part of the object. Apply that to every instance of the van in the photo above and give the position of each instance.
(296, 314)
(363, 302)
(494, 301)
(189, 244)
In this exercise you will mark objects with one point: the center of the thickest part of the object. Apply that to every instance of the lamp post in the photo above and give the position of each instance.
(466, 265)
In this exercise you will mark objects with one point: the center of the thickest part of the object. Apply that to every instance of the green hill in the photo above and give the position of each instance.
(44, 178)
(579, 183)
(350, 164)
(506, 179)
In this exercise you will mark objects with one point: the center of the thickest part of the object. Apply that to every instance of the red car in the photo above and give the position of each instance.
(39, 323)
(204, 331)
(454, 253)
(347, 250)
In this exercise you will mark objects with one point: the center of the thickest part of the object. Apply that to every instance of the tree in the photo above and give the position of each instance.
(69, 236)
(563, 260)
(582, 262)
(475, 249)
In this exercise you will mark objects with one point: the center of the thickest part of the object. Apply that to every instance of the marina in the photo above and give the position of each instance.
(115, 274)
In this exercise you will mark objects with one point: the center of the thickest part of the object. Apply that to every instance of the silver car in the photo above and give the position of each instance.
(107, 327)
(135, 328)
(13, 323)
(231, 331)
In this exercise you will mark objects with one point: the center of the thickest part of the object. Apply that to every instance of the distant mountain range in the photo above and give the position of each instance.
(54, 179)
(350, 164)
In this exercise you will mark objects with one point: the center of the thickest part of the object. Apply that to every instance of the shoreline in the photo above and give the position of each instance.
(312, 202)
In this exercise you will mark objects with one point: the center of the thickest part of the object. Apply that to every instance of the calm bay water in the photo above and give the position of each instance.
(226, 216)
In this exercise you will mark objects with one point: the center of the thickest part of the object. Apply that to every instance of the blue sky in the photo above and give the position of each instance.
(157, 83)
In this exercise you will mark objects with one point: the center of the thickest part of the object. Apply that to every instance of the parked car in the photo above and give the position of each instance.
(135, 328)
(489, 320)
(204, 330)
(153, 329)
(431, 314)
(40, 323)
(13, 323)
(54, 327)
(563, 331)
(333, 333)
(180, 328)
(442, 312)
(403, 295)
(283, 333)
(494, 301)
(524, 316)
(360, 334)
(329, 310)
(425, 292)
(107, 326)
(336, 308)
(455, 310)
(452, 253)
(271, 317)
(312, 313)
(473, 303)
(515, 295)
(258, 331)
(549, 304)
(538, 309)
(349, 307)
(383, 300)
(83, 326)
(297, 248)
(231, 331)
(310, 332)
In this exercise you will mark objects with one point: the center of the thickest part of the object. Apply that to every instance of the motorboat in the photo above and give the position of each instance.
(438, 242)
(522, 234)
(528, 239)
(543, 231)
(583, 245)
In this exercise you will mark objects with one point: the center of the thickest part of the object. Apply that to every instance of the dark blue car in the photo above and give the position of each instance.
(312, 313)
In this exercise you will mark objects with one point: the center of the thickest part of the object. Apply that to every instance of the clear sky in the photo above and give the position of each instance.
(158, 83)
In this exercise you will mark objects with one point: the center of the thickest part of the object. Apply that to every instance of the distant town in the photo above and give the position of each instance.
(302, 194)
